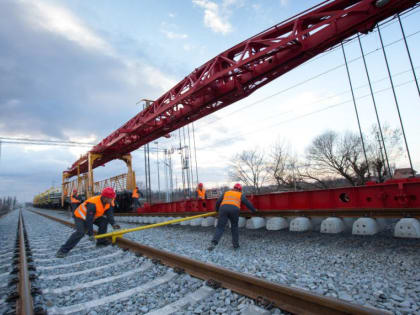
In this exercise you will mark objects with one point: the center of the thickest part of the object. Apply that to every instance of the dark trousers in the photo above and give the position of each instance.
(81, 229)
(73, 206)
(226, 213)
(136, 204)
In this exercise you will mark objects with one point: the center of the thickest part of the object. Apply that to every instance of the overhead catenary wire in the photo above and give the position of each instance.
(356, 111)
(298, 117)
(396, 101)
(217, 119)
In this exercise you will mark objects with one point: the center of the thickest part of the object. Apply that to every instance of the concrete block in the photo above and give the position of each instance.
(407, 228)
(241, 222)
(332, 226)
(207, 222)
(255, 223)
(277, 223)
(300, 224)
(365, 226)
(196, 222)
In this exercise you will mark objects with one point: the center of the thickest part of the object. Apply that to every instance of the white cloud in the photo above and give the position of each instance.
(60, 21)
(213, 18)
(172, 35)
(171, 15)
(284, 3)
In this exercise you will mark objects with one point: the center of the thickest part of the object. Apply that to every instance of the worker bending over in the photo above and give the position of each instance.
(88, 213)
(228, 206)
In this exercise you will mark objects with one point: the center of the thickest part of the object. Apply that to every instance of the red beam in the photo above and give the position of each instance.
(242, 69)
(399, 195)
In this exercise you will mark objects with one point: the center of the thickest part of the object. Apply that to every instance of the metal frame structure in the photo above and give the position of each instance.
(395, 198)
(241, 70)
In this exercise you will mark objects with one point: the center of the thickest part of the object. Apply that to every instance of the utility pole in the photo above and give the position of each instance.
(157, 163)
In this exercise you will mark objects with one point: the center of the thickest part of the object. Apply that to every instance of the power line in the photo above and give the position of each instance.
(302, 116)
(216, 119)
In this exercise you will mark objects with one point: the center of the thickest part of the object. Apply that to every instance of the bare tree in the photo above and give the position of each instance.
(249, 167)
(282, 167)
(376, 150)
(330, 155)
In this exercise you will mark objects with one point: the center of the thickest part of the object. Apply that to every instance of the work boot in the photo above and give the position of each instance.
(212, 246)
(60, 254)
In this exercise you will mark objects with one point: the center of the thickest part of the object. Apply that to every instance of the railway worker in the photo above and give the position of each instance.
(88, 213)
(228, 206)
(75, 200)
(135, 198)
(201, 193)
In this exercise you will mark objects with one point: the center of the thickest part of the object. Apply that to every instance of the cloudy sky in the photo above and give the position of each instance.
(75, 70)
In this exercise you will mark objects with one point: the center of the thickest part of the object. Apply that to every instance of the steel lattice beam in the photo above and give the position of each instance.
(242, 69)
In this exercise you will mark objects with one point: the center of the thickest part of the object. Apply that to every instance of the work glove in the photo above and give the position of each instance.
(116, 226)
(91, 238)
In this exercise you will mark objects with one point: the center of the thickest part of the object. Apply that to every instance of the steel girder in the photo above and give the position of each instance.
(242, 69)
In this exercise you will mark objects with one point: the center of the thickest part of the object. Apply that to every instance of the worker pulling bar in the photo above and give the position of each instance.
(119, 233)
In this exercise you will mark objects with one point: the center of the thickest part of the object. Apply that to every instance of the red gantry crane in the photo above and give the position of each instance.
(239, 71)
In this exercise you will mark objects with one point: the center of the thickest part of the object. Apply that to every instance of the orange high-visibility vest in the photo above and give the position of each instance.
(135, 193)
(74, 200)
(201, 193)
(81, 210)
(232, 197)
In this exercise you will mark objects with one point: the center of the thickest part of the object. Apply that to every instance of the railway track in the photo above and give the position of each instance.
(145, 280)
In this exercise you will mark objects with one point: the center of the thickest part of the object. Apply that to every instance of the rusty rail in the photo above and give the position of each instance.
(290, 299)
(25, 303)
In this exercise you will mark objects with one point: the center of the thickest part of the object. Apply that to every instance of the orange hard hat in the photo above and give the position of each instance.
(238, 187)
(108, 192)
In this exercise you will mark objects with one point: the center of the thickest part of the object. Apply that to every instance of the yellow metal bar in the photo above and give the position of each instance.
(119, 233)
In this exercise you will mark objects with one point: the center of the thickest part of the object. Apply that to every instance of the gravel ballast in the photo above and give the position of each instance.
(379, 270)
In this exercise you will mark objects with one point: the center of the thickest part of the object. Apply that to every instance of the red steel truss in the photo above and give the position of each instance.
(395, 198)
(242, 69)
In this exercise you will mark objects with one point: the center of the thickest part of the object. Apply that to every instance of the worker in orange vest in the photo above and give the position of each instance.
(74, 200)
(228, 206)
(135, 198)
(201, 192)
(88, 213)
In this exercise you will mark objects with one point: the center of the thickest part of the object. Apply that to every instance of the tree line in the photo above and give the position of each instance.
(7, 204)
(332, 159)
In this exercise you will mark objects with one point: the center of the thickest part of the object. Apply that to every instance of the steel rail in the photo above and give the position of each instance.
(290, 299)
(345, 213)
(25, 302)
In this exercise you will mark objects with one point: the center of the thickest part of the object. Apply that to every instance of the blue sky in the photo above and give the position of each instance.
(75, 70)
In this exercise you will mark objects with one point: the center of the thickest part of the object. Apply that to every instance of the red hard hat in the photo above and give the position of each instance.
(108, 192)
(238, 187)
(75, 190)
(200, 185)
